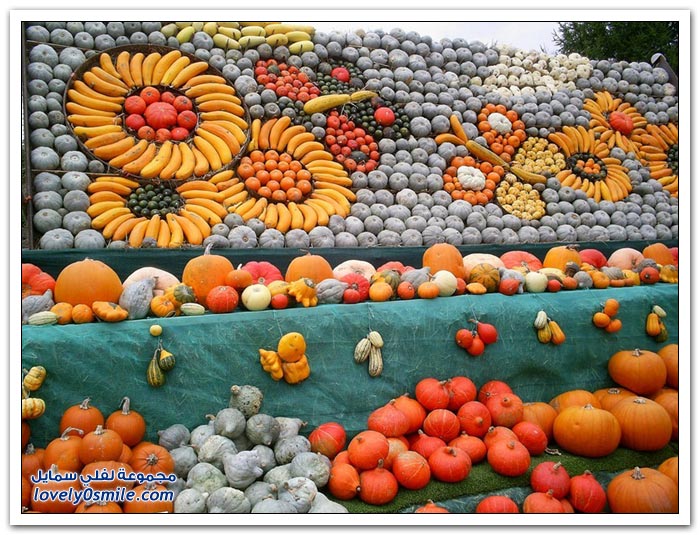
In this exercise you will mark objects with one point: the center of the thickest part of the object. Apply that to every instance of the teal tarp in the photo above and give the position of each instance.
(108, 361)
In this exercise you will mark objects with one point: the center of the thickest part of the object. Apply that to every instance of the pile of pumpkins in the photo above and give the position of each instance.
(448, 426)
(210, 282)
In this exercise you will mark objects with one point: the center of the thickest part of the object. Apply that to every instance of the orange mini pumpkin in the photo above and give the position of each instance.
(444, 256)
(558, 256)
(205, 272)
(64, 311)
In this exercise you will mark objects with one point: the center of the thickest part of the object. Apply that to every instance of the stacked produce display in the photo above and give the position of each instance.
(218, 139)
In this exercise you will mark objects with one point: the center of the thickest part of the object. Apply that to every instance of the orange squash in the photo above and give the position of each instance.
(205, 272)
(64, 311)
(660, 254)
(309, 266)
(558, 256)
(487, 275)
(444, 256)
(87, 281)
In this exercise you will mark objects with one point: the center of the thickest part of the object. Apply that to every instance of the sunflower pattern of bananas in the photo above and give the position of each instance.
(94, 107)
(607, 113)
(658, 147)
(590, 167)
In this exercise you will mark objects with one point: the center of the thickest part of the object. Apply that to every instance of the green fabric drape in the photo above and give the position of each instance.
(108, 361)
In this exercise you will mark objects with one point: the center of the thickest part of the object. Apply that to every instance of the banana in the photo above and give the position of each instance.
(198, 221)
(153, 168)
(201, 164)
(106, 65)
(323, 208)
(559, 140)
(210, 79)
(457, 128)
(101, 196)
(99, 85)
(147, 67)
(138, 233)
(277, 28)
(78, 109)
(339, 191)
(177, 236)
(163, 238)
(118, 180)
(256, 210)
(130, 155)
(306, 147)
(101, 207)
(221, 105)
(176, 68)
(324, 165)
(243, 207)
(110, 228)
(189, 72)
(197, 185)
(277, 39)
(310, 216)
(585, 139)
(135, 68)
(94, 103)
(223, 134)
(577, 182)
(104, 139)
(316, 155)
(340, 208)
(255, 127)
(203, 194)
(123, 68)
(173, 164)
(99, 222)
(271, 216)
(134, 166)
(218, 96)
(575, 136)
(190, 231)
(286, 135)
(324, 170)
(187, 164)
(112, 150)
(216, 151)
(264, 136)
(284, 218)
(233, 128)
(185, 34)
(235, 199)
(345, 181)
(251, 41)
(108, 77)
(300, 47)
(84, 89)
(153, 227)
(605, 191)
(297, 216)
(214, 206)
(125, 228)
(92, 120)
(205, 213)
(163, 64)
(597, 194)
(222, 176)
(298, 139)
(234, 188)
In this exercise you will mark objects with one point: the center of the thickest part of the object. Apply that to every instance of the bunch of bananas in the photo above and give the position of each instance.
(244, 35)
(601, 108)
(95, 105)
(659, 150)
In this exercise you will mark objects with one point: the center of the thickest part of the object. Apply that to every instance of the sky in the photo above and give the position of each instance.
(534, 35)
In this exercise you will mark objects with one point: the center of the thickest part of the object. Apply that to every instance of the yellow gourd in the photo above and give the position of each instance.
(304, 291)
(296, 372)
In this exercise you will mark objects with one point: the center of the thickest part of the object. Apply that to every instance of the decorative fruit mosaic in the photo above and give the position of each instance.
(150, 134)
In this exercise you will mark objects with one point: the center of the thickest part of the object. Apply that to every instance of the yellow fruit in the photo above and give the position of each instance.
(155, 330)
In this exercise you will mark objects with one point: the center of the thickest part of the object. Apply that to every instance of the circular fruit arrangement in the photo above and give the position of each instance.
(276, 176)
(154, 199)
(162, 114)
(350, 144)
(380, 119)
(472, 181)
(538, 155)
(502, 130)
(285, 80)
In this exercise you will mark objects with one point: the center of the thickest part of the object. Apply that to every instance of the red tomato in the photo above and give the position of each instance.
(135, 104)
(163, 134)
(150, 94)
(341, 74)
(384, 116)
(178, 133)
(135, 121)
(167, 96)
(187, 119)
(333, 121)
(182, 103)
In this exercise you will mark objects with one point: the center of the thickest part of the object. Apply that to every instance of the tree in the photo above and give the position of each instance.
(619, 40)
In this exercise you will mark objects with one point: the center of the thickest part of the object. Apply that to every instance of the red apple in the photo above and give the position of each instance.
(187, 119)
(163, 134)
(135, 121)
(150, 94)
(135, 104)
(182, 103)
(146, 132)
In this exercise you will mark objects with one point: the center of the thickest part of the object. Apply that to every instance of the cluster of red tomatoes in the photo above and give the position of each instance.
(350, 145)
(159, 116)
(285, 80)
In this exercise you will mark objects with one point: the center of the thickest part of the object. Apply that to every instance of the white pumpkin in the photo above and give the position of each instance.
(360, 267)
(536, 282)
(625, 258)
(446, 281)
(164, 279)
(473, 259)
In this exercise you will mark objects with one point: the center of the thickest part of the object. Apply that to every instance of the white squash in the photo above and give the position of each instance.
(164, 279)
(354, 266)
(473, 259)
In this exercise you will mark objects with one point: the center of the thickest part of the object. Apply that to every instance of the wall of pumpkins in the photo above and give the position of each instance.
(242, 135)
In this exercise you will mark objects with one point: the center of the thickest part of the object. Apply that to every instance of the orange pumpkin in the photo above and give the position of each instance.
(444, 256)
(643, 372)
(309, 266)
(87, 281)
(660, 254)
(587, 431)
(49, 496)
(82, 314)
(574, 398)
(668, 399)
(381, 291)
(149, 458)
(558, 256)
(669, 354)
(670, 468)
(64, 311)
(519, 259)
(487, 275)
(138, 505)
(642, 490)
(98, 508)
(205, 272)
(645, 424)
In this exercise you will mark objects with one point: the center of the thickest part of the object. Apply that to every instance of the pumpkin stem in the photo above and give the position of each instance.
(99, 430)
(125, 403)
(207, 249)
(152, 459)
(552, 451)
(637, 473)
(557, 466)
(29, 450)
(85, 404)
(64, 435)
